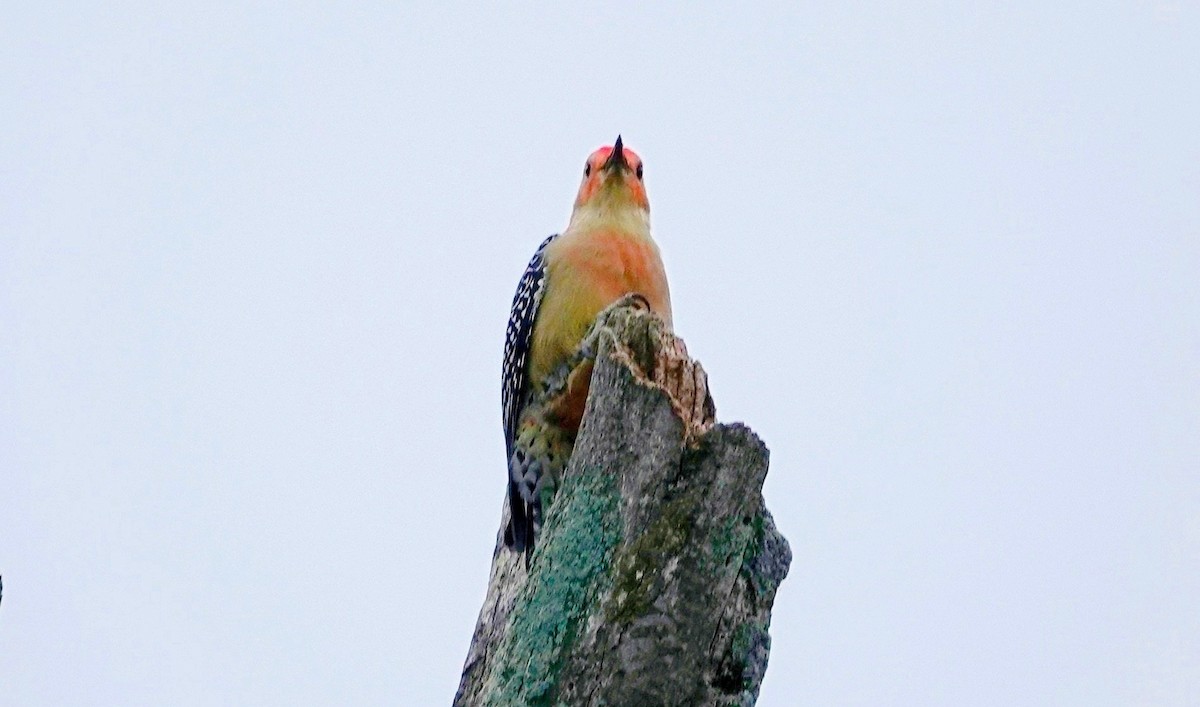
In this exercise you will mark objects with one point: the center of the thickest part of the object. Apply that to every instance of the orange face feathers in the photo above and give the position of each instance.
(613, 174)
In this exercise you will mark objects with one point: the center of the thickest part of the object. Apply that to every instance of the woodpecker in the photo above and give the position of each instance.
(604, 253)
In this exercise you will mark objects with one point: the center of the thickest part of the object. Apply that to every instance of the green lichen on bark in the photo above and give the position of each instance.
(640, 566)
(572, 566)
(729, 541)
(767, 562)
(739, 669)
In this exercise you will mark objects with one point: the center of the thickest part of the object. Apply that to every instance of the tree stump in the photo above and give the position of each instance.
(657, 564)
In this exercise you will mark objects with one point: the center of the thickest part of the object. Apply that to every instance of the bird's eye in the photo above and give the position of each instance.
(639, 172)
(587, 169)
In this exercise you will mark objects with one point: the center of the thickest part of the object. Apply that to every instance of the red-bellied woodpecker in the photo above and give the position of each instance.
(605, 253)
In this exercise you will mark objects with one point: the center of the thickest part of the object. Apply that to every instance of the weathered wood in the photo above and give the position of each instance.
(657, 565)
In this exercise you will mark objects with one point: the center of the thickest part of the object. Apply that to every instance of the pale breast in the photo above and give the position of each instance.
(585, 273)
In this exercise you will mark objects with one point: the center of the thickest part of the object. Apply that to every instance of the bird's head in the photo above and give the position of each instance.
(612, 186)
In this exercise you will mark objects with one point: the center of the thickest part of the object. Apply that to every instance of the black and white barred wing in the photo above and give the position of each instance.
(514, 385)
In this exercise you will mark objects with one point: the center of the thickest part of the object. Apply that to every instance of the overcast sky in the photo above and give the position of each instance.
(256, 261)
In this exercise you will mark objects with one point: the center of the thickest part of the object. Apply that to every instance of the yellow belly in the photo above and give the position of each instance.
(586, 272)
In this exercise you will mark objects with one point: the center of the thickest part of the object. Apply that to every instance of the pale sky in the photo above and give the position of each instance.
(256, 261)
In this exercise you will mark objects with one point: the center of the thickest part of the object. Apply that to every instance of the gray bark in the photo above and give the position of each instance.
(657, 565)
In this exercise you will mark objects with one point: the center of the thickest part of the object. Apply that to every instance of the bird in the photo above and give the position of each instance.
(604, 254)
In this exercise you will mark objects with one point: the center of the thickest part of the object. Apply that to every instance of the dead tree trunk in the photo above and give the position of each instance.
(657, 566)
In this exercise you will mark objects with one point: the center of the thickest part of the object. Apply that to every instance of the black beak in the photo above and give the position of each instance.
(617, 160)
